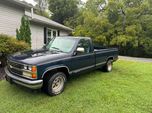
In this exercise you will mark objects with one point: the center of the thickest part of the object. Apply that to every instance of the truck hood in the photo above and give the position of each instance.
(35, 57)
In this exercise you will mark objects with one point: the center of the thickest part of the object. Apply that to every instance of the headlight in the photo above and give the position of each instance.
(30, 71)
(28, 74)
(28, 68)
(25, 67)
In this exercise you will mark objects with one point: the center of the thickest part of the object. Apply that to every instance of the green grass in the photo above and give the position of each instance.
(127, 89)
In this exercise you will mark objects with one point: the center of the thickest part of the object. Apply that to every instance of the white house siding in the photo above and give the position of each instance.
(37, 36)
(63, 33)
(10, 18)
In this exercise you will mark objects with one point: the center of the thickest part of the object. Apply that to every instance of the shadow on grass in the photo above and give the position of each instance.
(23, 89)
(71, 80)
(84, 76)
(2, 73)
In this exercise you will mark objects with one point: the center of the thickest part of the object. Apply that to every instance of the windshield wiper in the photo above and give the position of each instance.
(57, 49)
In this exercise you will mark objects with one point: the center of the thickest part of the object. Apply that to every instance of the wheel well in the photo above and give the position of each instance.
(110, 58)
(50, 72)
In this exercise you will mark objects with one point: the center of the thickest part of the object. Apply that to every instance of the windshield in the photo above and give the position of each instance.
(61, 44)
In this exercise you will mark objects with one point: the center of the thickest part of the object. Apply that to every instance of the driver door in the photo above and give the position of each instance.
(84, 58)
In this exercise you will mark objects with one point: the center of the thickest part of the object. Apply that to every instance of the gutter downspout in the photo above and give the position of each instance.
(32, 13)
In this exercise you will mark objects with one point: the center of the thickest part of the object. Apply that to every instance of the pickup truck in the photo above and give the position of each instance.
(48, 68)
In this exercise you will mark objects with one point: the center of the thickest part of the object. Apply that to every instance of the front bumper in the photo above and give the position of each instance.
(32, 84)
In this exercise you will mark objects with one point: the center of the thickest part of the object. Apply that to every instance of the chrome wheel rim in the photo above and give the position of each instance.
(58, 84)
(109, 66)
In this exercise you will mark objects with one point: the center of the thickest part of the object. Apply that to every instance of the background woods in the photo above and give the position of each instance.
(125, 24)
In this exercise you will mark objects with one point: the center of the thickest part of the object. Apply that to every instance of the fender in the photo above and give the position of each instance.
(55, 67)
(109, 58)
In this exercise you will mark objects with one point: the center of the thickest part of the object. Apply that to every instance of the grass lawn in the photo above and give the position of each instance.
(127, 89)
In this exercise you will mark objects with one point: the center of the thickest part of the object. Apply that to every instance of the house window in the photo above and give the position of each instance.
(51, 33)
(54, 33)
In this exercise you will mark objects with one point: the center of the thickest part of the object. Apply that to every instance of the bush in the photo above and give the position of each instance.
(9, 45)
(24, 33)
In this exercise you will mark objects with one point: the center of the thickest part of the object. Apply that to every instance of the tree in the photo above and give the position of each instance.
(24, 33)
(42, 8)
(122, 23)
(41, 4)
(63, 9)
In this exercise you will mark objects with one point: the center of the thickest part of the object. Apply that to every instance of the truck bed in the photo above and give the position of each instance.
(99, 49)
(102, 54)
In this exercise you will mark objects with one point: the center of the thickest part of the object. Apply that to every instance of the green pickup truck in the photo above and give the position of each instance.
(48, 68)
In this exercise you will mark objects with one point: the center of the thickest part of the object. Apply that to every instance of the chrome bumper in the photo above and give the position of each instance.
(32, 84)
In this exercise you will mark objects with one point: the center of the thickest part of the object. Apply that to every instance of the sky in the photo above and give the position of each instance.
(84, 1)
(29, 1)
(32, 2)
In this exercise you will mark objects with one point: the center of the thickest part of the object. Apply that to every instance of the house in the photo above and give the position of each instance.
(42, 28)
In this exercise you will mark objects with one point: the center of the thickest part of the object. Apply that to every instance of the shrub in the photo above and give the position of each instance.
(24, 33)
(9, 45)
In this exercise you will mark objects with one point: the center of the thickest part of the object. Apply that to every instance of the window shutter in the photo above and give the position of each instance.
(58, 32)
(45, 35)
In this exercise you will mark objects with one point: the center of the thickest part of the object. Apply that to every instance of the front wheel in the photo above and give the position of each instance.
(108, 66)
(55, 84)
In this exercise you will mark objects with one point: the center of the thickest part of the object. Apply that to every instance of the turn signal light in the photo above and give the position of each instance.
(34, 75)
(34, 69)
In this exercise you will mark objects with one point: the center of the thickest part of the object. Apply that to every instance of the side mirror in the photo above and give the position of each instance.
(79, 50)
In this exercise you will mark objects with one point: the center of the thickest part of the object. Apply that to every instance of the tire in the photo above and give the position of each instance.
(54, 85)
(108, 66)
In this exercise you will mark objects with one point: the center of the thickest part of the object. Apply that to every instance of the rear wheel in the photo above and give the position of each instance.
(108, 66)
(55, 84)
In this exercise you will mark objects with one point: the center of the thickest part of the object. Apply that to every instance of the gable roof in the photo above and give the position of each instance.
(21, 3)
(38, 18)
(44, 20)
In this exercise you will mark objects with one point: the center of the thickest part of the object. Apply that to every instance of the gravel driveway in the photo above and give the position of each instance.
(136, 59)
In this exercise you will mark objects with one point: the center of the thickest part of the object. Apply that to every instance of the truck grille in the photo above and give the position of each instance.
(15, 68)
(17, 65)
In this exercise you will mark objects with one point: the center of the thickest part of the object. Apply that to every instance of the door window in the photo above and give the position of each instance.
(84, 47)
